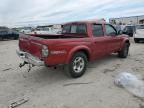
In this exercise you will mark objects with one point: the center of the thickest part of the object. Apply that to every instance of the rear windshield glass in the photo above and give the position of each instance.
(140, 27)
(74, 28)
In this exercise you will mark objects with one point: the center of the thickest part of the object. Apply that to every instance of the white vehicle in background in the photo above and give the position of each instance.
(139, 33)
(25, 30)
(46, 30)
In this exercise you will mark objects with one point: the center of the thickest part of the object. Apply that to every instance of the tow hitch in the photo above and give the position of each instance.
(29, 65)
(22, 64)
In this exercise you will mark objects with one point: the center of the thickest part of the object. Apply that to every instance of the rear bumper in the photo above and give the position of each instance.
(30, 58)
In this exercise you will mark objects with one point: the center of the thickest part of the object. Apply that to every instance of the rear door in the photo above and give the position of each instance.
(30, 45)
(100, 41)
(113, 39)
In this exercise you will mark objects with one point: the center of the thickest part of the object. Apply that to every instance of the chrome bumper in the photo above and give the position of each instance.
(29, 58)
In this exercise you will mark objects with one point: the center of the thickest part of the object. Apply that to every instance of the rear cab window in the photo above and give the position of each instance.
(74, 29)
(66, 29)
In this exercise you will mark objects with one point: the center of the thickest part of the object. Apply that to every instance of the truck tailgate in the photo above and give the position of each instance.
(30, 45)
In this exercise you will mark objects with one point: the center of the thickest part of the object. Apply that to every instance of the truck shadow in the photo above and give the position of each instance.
(104, 61)
(40, 77)
(41, 74)
(51, 75)
(7, 40)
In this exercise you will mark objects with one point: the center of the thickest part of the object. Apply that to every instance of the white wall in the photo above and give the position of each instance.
(128, 20)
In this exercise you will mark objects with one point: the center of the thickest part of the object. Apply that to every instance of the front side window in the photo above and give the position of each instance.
(97, 30)
(110, 31)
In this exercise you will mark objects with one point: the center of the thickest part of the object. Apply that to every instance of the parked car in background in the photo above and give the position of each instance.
(6, 33)
(80, 42)
(3, 32)
(139, 34)
(129, 30)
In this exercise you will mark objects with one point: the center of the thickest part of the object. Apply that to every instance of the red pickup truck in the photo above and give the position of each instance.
(79, 43)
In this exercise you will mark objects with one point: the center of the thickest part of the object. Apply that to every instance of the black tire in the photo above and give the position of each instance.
(1, 38)
(124, 51)
(69, 68)
(136, 40)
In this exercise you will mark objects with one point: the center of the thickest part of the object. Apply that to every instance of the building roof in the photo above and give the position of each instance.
(127, 17)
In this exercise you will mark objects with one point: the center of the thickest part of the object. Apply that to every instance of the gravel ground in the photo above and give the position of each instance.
(50, 88)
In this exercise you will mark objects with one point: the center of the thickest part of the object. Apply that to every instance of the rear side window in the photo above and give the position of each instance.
(81, 29)
(97, 30)
(74, 28)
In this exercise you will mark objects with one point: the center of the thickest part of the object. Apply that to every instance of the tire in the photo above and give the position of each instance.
(1, 38)
(136, 40)
(124, 51)
(77, 65)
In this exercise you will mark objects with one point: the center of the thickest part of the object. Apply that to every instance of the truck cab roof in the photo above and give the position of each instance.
(87, 21)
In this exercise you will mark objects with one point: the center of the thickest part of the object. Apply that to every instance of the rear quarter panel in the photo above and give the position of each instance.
(61, 50)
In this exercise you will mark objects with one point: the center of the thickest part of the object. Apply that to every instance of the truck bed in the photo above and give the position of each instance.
(46, 36)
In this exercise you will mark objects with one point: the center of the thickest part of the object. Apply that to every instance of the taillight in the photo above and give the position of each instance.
(45, 51)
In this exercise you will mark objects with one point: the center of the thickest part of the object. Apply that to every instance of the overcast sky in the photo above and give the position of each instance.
(33, 12)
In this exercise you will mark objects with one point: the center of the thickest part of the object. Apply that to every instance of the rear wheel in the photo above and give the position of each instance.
(1, 38)
(124, 51)
(77, 65)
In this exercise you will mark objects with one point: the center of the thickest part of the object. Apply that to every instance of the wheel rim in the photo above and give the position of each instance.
(78, 64)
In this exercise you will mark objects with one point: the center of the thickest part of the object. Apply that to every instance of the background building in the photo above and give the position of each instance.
(128, 20)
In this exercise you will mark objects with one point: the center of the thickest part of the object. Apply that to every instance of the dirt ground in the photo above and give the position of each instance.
(50, 88)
